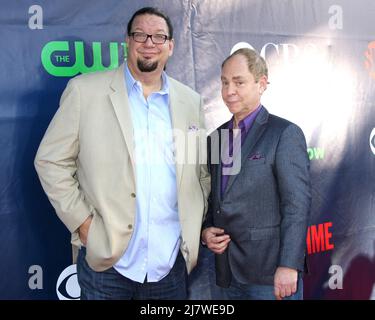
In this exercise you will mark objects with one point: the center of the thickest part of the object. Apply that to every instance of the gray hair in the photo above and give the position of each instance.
(257, 65)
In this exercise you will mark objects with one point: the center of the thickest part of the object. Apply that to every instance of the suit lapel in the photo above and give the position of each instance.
(252, 138)
(120, 102)
(215, 160)
(179, 116)
(223, 144)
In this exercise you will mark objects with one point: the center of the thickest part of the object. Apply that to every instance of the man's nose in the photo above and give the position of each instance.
(231, 89)
(149, 42)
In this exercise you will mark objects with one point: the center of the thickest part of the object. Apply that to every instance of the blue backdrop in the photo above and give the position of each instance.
(322, 73)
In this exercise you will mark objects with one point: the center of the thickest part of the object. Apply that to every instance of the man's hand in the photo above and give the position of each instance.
(84, 230)
(215, 239)
(285, 282)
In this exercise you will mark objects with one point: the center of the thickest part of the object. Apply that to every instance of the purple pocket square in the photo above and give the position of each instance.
(256, 156)
(193, 128)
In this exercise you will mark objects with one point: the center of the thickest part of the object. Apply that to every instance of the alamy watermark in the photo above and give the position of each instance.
(175, 146)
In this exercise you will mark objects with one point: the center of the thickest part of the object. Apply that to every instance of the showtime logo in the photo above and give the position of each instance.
(67, 287)
(286, 51)
(319, 238)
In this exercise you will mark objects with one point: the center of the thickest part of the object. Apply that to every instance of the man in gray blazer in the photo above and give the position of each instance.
(260, 199)
(107, 165)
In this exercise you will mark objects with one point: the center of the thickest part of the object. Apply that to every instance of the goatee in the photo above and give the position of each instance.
(144, 66)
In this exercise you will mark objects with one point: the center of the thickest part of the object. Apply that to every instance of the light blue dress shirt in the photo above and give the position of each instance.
(156, 238)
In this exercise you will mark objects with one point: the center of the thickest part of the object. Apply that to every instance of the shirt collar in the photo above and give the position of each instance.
(245, 123)
(132, 83)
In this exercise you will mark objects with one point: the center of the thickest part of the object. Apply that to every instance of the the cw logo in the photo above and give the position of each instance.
(369, 62)
(56, 58)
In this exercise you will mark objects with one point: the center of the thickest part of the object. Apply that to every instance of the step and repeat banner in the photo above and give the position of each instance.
(321, 57)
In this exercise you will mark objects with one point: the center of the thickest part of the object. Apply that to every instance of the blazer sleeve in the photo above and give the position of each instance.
(205, 178)
(208, 220)
(56, 161)
(293, 178)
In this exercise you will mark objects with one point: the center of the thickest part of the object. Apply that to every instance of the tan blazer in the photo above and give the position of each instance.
(85, 163)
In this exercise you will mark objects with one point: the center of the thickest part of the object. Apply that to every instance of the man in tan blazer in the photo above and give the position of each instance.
(136, 221)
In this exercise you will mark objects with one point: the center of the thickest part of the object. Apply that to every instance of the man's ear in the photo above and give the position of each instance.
(171, 47)
(263, 82)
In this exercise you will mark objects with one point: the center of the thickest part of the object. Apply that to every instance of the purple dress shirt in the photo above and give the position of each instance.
(244, 125)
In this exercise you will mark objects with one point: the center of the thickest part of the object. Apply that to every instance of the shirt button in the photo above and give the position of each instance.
(132, 195)
(218, 211)
(130, 226)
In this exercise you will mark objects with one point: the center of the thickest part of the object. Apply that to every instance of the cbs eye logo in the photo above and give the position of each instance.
(372, 141)
(67, 287)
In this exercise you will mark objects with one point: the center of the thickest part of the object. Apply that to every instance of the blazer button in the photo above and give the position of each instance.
(132, 195)
(130, 226)
(218, 211)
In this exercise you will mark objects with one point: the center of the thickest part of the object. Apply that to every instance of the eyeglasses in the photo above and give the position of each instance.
(142, 37)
